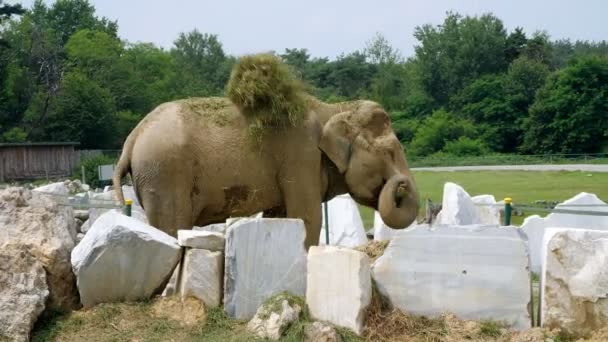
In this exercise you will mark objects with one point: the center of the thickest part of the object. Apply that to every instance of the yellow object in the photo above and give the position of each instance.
(508, 200)
(128, 202)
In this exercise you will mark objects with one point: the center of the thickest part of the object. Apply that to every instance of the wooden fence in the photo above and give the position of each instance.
(37, 160)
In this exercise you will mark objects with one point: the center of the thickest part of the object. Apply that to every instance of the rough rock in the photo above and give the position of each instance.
(217, 228)
(457, 207)
(202, 276)
(475, 272)
(23, 291)
(263, 257)
(137, 258)
(270, 322)
(109, 198)
(487, 210)
(172, 285)
(321, 332)
(232, 220)
(382, 232)
(534, 226)
(338, 287)
(201, 239)
(79, 237)
(81, 214)
(58, 188)
(78, 223)
(574, 294)
(345, 224)
(76, 186)
(33, 219)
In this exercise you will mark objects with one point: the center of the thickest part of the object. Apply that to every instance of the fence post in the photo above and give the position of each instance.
(127, 209)
(83, 176)
(326, 211)
(508, 211)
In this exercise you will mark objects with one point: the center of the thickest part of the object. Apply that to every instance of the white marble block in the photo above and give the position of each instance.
(382, 232)
(534, 226)
(574, 293)
(202, 276)
(263, 257)
(211, 241)
(457, 207)
(476, 272)
(122, 259)
(338, 287)
(345, 224)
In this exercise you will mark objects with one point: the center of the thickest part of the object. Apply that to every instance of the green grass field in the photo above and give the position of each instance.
(524, 187)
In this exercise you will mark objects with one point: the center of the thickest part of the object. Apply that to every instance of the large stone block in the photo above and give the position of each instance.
(534, 226)
(48, 230)
(211, 241)
(338, 287)
(382, 232)
(202, 276)
(487, 210)
(216, 227)
(574, 293)
(475, 272)
(23, 292)
(263, 257)
(345, 224)
(59, 188)
(457, 207)
(123, 259)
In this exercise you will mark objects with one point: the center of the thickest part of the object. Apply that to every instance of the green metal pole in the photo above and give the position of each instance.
(127, 209)
(508, 211)
(326, 223)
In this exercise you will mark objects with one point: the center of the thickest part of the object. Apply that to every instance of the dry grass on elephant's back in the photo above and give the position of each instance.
(268, 91)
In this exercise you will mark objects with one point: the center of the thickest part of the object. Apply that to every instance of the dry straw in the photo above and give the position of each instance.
(267, 91)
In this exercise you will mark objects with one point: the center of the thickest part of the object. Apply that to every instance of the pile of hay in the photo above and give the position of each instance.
(267, 91)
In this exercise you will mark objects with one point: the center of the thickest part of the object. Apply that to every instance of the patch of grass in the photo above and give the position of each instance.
(490, 328)
(216, 109)
(112, 322)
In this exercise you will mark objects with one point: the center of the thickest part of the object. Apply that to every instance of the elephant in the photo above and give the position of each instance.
(193, 162)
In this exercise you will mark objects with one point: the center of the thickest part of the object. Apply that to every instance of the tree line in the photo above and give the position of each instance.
(471, 87)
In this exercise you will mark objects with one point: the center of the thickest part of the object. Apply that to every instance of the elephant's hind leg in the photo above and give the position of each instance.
(168, 206)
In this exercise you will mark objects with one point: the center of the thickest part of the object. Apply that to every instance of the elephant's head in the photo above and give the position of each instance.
(364, 148)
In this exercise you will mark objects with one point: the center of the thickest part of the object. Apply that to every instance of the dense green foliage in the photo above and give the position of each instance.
(472, 86)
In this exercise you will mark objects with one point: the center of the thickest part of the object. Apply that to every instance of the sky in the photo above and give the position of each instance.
(328, 28)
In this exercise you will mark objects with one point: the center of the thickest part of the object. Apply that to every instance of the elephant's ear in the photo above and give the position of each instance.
(335, 142)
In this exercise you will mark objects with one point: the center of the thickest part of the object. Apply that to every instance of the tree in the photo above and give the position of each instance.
(379, 51)
(66, 17)
(460, 50)
(351, 75)
(498, 104)
(200, 64)
(6, 12)
(515, 44)
(83, 112)
(297, 58)
(570, 114)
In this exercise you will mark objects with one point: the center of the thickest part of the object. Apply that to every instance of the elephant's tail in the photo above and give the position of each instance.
(122, 168)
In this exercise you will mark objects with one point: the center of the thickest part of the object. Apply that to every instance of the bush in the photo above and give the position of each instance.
(438, 129)
(90, 168)
(466, 146)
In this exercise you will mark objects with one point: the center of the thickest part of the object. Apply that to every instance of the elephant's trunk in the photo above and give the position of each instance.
(398, 202)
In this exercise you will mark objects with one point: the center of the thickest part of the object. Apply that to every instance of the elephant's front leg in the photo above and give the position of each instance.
(303, 200)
